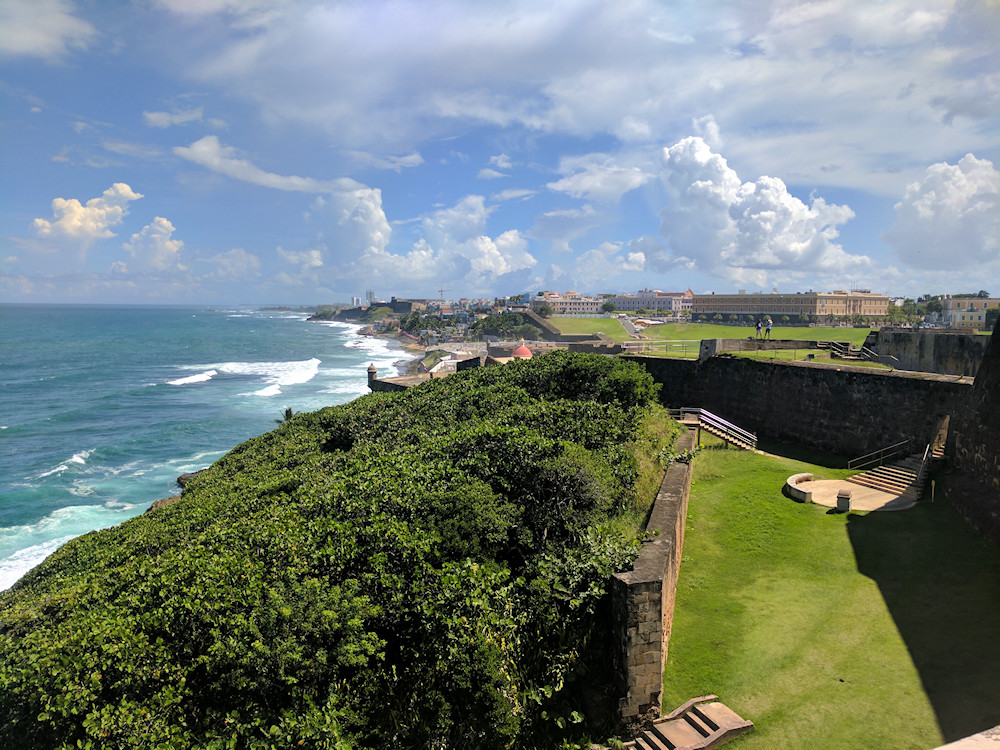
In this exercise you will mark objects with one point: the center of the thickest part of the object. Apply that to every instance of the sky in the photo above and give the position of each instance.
(301, 151)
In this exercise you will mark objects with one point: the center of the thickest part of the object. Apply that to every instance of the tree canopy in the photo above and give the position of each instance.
(426, 568)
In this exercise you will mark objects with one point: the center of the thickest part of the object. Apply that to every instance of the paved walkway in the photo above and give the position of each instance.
(824, 492)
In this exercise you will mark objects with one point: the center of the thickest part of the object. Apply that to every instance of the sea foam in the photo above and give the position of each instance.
(199, 378)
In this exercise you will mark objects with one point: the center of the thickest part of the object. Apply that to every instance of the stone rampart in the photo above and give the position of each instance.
(845, 410)
(974, 442)
(944, 352)
(643, 598)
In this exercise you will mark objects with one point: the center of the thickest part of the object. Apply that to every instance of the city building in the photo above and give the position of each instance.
(653, 300)
(967, 313)
(820, 304)
(568, 303)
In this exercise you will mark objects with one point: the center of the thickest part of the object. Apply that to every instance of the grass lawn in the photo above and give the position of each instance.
(877, 630)
(609, 326)
(678, 331)
(699, 331)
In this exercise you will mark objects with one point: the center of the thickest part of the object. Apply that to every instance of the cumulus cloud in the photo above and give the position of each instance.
(235, 265)
(595, 268)
(91, 221)
(154, 249)
(746, 232)
(166, 119)
(597, 177)
(306, 265)
(454, 248)
(210, 153)
(41, 28)
(951, 218)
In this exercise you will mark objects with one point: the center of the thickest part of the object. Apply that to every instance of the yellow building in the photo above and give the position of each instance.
(968, 313)
(822, 304)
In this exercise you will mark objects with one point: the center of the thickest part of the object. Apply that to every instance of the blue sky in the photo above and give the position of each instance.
(243, 151)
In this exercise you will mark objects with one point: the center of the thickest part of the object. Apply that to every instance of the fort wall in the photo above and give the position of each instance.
(944, 352)
(837, 408)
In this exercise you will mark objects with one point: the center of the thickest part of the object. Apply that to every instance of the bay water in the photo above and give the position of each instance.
(101, 408)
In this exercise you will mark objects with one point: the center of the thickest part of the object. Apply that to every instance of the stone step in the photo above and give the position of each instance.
(693, 726)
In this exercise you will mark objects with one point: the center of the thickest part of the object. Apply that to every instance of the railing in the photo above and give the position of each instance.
(880, 455)
(723, 429)
(922, 473)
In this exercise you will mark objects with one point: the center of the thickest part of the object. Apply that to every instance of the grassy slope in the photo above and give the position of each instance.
(773, 615)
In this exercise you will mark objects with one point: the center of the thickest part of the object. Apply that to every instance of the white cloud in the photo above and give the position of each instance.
(454, 249)
(235, 265)
(91, 221)
(306, 265)
(395, 163)
(154, 249)
(213, 155)
(502, 161)
(597, 177)
(489, 174)
(597, 267)
(951, 218)
(564, 225)
(41, 28)
(137, 150)
(634, 261)
(166, 119)
(513, 194)
(747, 232)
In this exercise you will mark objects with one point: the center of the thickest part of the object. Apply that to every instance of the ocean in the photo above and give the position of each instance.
(102, 408)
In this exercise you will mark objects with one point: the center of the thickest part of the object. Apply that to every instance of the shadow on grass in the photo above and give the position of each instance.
(941, 584)
(802, 453)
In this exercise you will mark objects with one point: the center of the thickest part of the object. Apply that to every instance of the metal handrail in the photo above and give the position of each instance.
(712, 420)
(921, 474)
(880, 455)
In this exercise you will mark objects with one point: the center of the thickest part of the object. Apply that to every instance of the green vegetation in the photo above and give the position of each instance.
(418, 569)
(608, 326)
(506, 326)
(829, 630)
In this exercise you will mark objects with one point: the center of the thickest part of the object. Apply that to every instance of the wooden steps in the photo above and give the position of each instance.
(700, 723)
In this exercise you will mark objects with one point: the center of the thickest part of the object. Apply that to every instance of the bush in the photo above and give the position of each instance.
(427, 568)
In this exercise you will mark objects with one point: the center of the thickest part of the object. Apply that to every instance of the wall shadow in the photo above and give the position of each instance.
(941, 583)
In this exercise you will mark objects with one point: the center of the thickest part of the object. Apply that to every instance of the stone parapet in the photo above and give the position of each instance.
(643, 598)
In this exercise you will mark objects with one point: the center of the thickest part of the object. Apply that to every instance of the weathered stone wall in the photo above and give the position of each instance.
(837, 408)
(643, 598)
(711, 347)
(975, 444)
(945, 352)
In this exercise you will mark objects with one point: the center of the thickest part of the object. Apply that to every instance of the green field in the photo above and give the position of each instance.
(609, 326)
(699, 331)
(832, 630)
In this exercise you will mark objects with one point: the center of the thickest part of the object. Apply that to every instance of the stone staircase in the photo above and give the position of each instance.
(700, 723)
(905, 477)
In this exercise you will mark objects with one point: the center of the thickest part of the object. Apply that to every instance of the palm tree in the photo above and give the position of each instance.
(287, 417)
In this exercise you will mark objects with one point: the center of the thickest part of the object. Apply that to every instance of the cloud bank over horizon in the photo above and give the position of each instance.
(310, 150)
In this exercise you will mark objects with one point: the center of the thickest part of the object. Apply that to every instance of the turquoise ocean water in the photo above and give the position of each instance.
(101, 408)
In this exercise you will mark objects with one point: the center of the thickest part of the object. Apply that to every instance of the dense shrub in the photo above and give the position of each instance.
(427, 569)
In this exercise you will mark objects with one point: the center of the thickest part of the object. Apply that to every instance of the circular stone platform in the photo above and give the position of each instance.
(824, 492)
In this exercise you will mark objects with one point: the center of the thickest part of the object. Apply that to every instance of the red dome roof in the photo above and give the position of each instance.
(522, 351)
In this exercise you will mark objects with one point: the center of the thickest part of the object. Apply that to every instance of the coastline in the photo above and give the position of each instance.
(213, 379)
